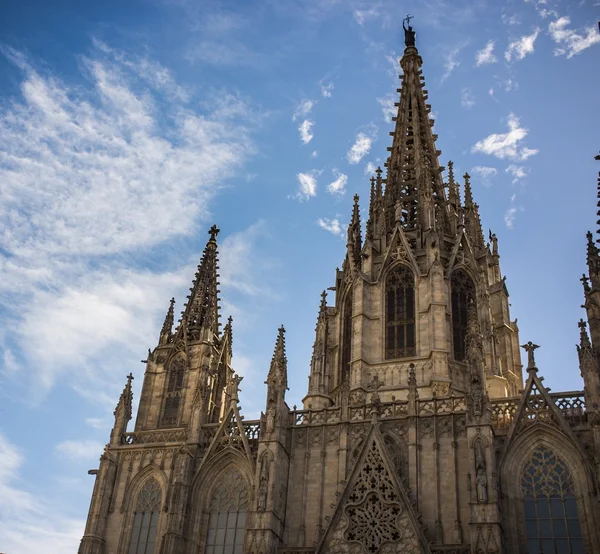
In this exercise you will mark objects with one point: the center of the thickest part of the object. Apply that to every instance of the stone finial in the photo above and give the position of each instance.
(530, 349)
(213, 232)
(584, 339)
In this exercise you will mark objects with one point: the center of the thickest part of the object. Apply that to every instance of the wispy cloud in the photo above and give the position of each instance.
(452, 60)
(510, 214)
(484, 173)
(370, 168)
(30, 523)
(387, 106)
(307, 185)
(518, 172)
(77, 450)
(510, 19)
(338, 186)
(305, 131)
(522, 46)
(363, 15)
(486, 55)
(303, 109)
(362, 146)
(572, 42)
(507, 145)
(331, 225)
(467, 100)
(326, 88)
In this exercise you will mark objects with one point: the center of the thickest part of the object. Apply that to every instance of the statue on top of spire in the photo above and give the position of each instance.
(409, 34)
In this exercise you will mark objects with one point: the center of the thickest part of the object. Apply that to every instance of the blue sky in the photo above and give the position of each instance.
(127, 129)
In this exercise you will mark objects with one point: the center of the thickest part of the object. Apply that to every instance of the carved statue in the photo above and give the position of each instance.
(476, 395)
(481, 484)
(409, 34)
(530, 349)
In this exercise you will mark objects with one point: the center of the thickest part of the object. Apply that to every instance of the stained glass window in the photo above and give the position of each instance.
(550, 506)
(400, 313)
(145, 518)
(463, 293)
(227, 515)
(347, 336)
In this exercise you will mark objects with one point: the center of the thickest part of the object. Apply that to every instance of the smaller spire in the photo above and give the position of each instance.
(379, 183)
(228, 336)
(278, 370)
(122, 412)
(453, 190)
(167, 328)
(468, 191)
(584, 339)
(323, 305)
(354, 244)
(593, 256)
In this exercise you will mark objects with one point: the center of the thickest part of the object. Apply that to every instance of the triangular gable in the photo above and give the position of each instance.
(467, 249)
(374, 513)
(229, 435)
(536, 407)
(399, 250)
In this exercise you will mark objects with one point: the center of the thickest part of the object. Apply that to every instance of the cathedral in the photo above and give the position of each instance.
(421, 431)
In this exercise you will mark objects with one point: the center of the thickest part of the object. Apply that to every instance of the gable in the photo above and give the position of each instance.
(374, 514)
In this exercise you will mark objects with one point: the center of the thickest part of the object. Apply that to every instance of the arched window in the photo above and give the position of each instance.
(173, 392)
(227, 515)
(463, 293)
(346, 337)
(549, 505)
(400, 313)
(145, 519)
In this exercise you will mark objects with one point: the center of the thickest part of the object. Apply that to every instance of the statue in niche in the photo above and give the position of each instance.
(481, 484)
(263, 488)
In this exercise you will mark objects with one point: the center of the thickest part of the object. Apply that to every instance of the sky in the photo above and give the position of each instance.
(128, 128)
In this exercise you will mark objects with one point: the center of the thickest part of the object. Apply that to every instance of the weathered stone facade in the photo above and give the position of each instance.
(417, 434)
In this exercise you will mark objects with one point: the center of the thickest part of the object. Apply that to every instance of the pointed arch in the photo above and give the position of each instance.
(399, 291)
(547, 483)
(462, 293)
(144, 498)
(173, 390)
(204, 486)
(346, 351)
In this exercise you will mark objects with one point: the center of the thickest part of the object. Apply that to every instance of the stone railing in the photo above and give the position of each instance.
(571, 404)
(317, 417)
(154, 437)
(441, 406)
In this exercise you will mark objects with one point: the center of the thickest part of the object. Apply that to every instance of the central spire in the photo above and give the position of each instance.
(414, 186)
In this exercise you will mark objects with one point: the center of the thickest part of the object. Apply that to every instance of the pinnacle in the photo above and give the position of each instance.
(584, 339)
(278, 369)
(468, 191)
(169, 318)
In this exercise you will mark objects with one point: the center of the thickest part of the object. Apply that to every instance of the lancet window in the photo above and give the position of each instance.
(175, 377)
(463, 293)
(145, 518)
(346, 337)
(549, 505)
(227, 515)
(400, 313)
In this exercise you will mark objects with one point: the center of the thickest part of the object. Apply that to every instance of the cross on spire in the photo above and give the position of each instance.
(213, 232)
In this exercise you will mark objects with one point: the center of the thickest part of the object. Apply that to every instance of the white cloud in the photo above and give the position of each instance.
(326, 89)
(89, 177)
(451, 60)
(331, 225)
(97, 422)
(361, 16)
(77, 450)
(510, 19)
(486, 55)
(387, 106)
(517, 171)
(303, 109)
(314, 154)
(507, 145)
(305, 131)
(467, 100)
(338, 186)
(29, 523)
(308, 185)
(370, 168)
(361, 147)
(484, 173)
(511, 212)
(524, 45)
(572, 42)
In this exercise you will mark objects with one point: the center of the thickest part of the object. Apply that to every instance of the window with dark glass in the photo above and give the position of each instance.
(173, 393)
(463, 293)
(399, 313)
(549, 506)
(145, 518)
(346, 337)
(227, 515)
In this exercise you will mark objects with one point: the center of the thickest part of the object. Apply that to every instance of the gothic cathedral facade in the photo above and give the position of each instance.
(419, 434)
